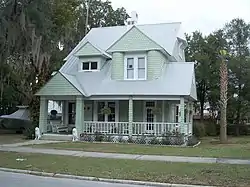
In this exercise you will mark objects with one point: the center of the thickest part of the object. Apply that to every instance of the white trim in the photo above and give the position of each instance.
(90, 70)
(135, 57)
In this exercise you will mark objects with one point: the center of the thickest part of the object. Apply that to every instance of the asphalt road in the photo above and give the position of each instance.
(8, 179)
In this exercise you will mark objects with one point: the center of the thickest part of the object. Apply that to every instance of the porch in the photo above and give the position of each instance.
(124, 117)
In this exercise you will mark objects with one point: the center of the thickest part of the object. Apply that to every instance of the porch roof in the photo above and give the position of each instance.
(176, 80)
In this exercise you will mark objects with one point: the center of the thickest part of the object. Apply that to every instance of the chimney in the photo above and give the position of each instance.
(133, 19)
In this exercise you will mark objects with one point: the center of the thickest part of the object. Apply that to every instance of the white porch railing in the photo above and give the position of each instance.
(138, 128)
(91, 127)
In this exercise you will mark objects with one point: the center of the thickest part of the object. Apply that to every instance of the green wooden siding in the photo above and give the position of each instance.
(58, 86)
(134, 40)
(88, 111)
(88, 50)
(138, 111)
(156, 61)
(123, 111)
(117, 66)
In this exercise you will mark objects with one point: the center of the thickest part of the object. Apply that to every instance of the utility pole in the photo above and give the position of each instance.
(223, 96)
(87, 16)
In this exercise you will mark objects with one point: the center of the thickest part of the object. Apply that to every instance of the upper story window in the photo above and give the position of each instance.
(89, 66)
(135, 67)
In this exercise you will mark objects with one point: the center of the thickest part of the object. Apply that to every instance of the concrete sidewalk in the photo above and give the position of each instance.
(123, 156)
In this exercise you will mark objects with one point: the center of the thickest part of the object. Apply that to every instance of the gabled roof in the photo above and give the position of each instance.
(89, 49)
(60, 85)
(135, 40)
(164, 34)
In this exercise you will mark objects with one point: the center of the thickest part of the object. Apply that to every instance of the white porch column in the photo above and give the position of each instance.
(187, 113)
(182, 115)
(79, 115)
(43, 116)
(191, 117)
(130, 116)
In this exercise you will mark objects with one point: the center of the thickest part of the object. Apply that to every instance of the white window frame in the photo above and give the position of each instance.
(90, 65)
(135, 57)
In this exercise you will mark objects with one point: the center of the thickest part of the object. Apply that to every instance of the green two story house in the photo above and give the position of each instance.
(124, 80)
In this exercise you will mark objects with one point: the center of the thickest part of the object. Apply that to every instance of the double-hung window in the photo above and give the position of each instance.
(135, 67)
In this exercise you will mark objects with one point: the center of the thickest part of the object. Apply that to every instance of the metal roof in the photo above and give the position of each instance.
(164, 34)
(176, 79)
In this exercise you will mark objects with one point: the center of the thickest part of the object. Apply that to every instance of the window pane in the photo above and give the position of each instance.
(85, 66)
(141, 62)
(130, 63)
(141, 73)
(130, 74)
(150, 104)
(94, 65)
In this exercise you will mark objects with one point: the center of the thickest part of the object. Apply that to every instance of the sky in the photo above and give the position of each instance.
(203, 15)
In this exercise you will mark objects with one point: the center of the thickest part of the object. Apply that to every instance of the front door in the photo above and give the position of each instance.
(150, 116)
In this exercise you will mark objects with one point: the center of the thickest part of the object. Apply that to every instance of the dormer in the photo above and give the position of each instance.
(91, 58)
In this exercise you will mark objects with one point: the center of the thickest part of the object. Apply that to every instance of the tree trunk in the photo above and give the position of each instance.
(223, 101)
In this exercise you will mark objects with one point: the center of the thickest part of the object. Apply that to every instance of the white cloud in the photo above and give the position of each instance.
(203, 15)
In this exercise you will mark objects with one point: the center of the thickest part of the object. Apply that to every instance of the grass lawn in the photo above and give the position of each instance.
(7, 137)
(186, 173)
(238, 147)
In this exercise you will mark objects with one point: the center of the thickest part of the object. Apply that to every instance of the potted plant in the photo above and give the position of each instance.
(106, 110)
(156, 110)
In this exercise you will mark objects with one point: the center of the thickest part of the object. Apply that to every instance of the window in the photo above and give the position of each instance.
(135, 68)
(130, 68)
(88, 66)
(106, 117)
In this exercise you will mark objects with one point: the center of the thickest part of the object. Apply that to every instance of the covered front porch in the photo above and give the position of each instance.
(122, 116)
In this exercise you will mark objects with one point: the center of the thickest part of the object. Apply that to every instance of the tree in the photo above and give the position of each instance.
(204, 51)
(237, 33)
(30, 34)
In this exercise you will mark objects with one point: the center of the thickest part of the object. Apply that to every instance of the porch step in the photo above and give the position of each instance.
(59, 137)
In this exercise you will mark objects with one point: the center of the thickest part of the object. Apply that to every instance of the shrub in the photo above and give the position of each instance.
(98, 137)
(29, 131)
(154, 141)
(199, 129)
(130, 139)
(108, 138)
(192, 140)
(211, 128)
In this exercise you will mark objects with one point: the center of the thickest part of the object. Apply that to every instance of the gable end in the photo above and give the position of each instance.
(58, 85)
(134, 40)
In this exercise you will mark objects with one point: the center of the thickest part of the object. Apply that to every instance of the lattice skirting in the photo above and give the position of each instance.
(180, 140)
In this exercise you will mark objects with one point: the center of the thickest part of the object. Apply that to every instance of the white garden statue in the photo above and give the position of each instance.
(37, 133)
(74, 133)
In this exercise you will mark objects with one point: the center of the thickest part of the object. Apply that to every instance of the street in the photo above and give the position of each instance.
(23, 180)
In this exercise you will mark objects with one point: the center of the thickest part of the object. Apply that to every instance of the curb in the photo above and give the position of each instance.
(65, 176)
